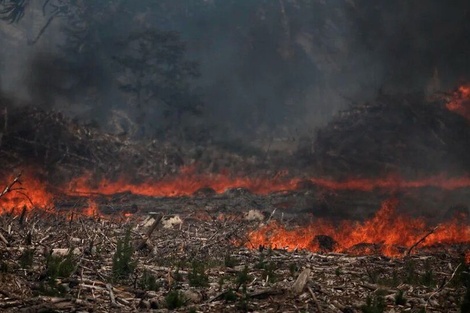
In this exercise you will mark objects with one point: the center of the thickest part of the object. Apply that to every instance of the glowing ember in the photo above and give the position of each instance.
(386, 228)
(460, 102)
(467, 257)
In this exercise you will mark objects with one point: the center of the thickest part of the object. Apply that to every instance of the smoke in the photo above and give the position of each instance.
(267, 67)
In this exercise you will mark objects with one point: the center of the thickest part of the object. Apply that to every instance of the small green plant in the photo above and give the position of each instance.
(230, 296)
(177, 275)
(174, 299)
(269, 272)
(192, 310)
(338, 271)
(243, 278)
(57, 267)
(123, 265)
(293, 268)
(261, 262)
(197, 276)
(148, 281)
(411, 276)
(374, 305)
(27, 258)
(221, 282)
(427, 279)
(400, 298)
(230, 261)
(4, 267)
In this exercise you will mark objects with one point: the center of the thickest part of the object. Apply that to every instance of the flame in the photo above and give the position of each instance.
(187, 184)
(460, 102)
(92, 209)
(27, 193)
(386, 227)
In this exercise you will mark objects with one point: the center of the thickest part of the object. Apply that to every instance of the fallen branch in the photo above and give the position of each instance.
(315, 300)
(9, 187)
(421, 240)
(152, 228)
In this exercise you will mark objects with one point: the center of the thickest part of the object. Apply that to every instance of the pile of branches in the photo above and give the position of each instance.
(402, 134)
(63, 148)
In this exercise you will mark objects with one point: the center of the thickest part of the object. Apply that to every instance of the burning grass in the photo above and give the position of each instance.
(387, 233)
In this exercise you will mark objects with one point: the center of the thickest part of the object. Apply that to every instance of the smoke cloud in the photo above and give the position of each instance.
(266, 66)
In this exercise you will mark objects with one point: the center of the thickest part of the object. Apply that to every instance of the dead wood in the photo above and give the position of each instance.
(421, 240)
(149, 233)
(301, 281)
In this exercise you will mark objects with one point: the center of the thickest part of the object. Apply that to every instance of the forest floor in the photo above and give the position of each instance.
(200, 262)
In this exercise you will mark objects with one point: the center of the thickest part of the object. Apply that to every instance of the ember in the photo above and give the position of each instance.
(460, 101)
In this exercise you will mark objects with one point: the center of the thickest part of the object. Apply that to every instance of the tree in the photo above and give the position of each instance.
(156, 75)
(12, 10)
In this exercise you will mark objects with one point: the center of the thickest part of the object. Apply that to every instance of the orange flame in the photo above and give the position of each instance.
(92, 209)
(28, 193)
(386, 227)
(187, 184)
(460, 102)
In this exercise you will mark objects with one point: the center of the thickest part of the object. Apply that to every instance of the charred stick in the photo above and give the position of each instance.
(111, 295)
(421, 240)
(2, 238)
(315, 300)
(152, 228)
(9, 187)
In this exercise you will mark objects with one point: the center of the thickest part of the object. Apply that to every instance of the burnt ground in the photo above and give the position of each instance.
(196, 261)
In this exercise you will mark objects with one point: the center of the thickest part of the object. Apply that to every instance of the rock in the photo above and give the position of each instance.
(254, 215)
(172, 221)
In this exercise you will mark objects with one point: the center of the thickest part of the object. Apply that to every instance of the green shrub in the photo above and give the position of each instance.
(243, 278)
(27, 258)
(174, 299)
(229, 261)
(197, 276)
(123, 265)
(148, 281)
(374, 305)
(399, 298)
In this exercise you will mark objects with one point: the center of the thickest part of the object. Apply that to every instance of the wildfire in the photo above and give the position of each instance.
(460, 102)
(187, 184)
(92, 209)
(386, 228)
(27, 193)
